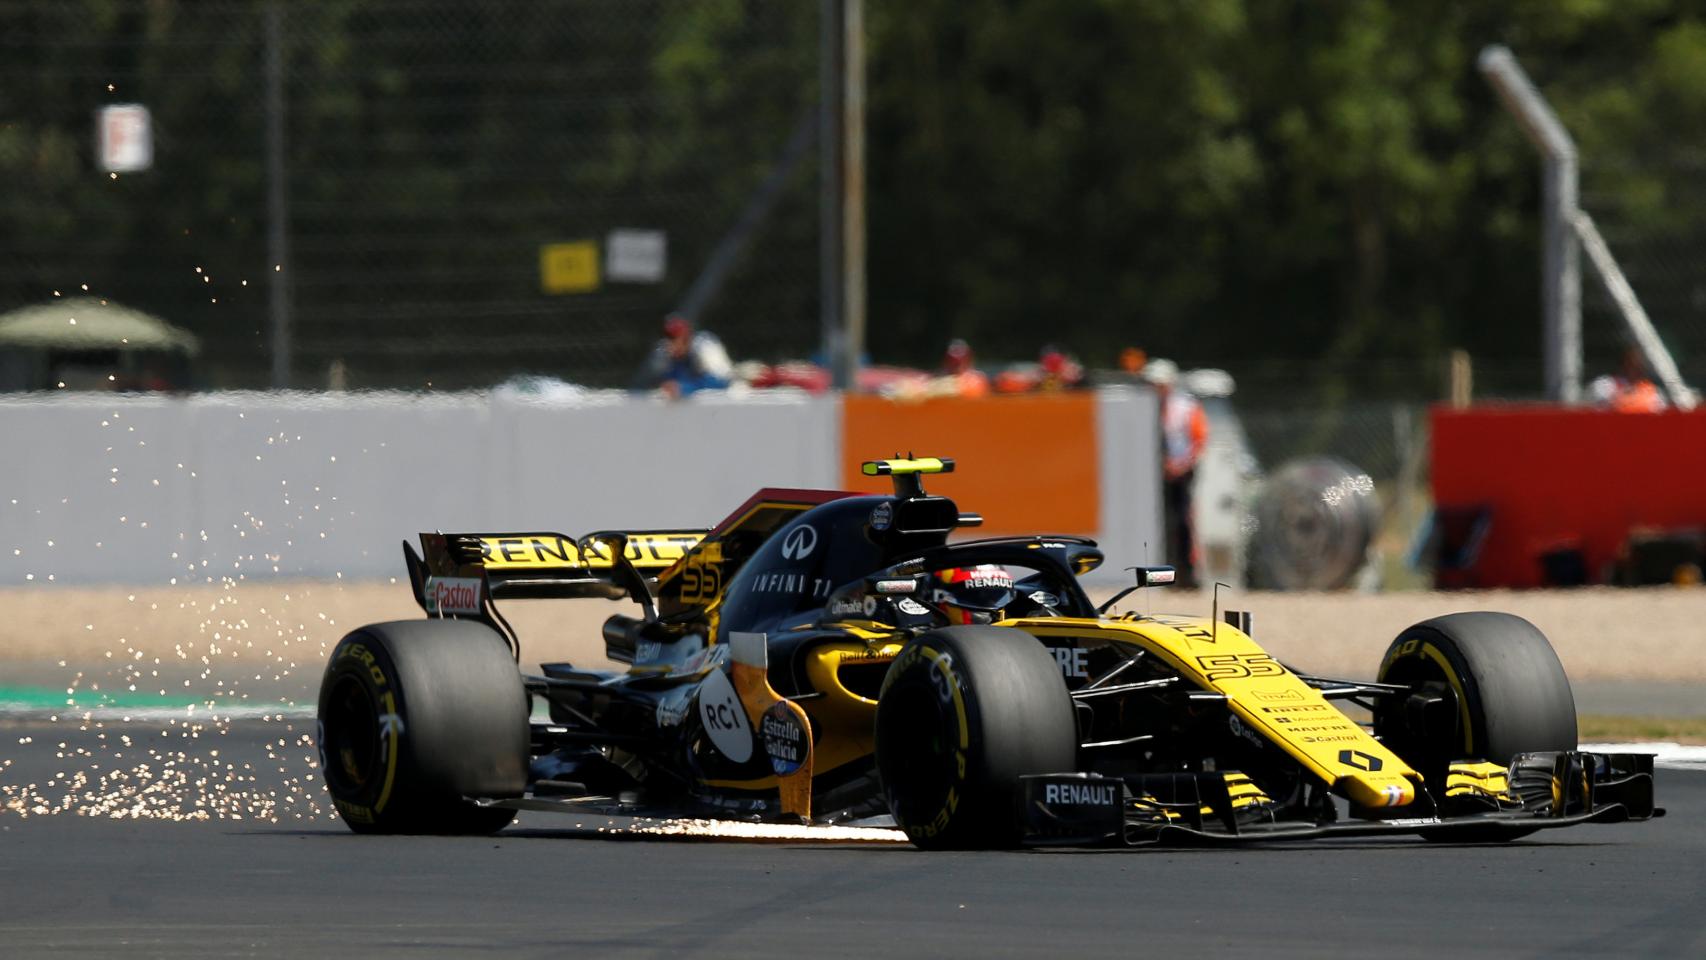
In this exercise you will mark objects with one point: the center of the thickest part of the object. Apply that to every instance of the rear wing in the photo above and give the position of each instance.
(680, 574)
(540, 565)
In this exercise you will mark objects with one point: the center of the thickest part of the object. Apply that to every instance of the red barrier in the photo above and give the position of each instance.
(1564, 478)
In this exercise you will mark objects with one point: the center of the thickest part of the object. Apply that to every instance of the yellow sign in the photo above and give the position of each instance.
(569, 267)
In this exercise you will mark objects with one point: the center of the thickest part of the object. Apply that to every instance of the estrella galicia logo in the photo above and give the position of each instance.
(1357, 760)
(800, 542)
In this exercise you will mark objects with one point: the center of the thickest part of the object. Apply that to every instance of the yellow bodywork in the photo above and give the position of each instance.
(846, 719)
(1263, 695)
(1260, 692)
(1240, 789)
(842, 721)
(1478, 778)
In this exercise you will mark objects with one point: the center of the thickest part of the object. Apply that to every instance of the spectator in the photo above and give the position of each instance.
(1057, 370)
(1184, 434)
(959, 375)
(685, 361)
(1629, 390)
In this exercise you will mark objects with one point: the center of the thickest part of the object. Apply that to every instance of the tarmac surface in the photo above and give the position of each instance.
(286, 879)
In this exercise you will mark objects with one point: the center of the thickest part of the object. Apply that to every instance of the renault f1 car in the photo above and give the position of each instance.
(810, 659)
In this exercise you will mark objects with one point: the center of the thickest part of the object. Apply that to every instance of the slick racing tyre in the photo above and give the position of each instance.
(1483, 686)
(416, 715)
(965, 712)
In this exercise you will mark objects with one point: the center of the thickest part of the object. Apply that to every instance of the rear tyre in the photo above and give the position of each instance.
(963, 714)
(417, 715)
(1483, 686)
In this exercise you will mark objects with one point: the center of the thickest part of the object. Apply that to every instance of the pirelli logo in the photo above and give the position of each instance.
(533, 552)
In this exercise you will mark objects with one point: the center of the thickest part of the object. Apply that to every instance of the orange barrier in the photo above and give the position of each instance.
(1565, 478)
(1027, 463)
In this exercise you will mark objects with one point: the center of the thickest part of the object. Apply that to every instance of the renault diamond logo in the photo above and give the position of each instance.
(800, 543)
(1358, 760)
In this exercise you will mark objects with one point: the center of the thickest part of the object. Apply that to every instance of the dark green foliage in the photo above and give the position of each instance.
(1319, 196)
(1302, 192)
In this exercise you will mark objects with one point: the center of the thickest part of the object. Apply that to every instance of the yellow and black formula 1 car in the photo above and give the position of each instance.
(828, 657)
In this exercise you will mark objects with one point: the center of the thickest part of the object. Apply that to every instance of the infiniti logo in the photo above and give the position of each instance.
(800, 543)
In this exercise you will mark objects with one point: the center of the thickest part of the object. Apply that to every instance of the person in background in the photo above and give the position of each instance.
(1057, 370)
(685, 361)
(1629, 390)
(1184, 435)
(959, 375)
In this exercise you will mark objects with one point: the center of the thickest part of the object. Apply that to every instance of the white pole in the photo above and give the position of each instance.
(1561, 280)
(853, 195)
(1634, 315)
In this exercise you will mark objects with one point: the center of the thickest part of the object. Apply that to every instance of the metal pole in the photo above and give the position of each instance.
(1562, 277)
(278, 227)
(1634, 315)
(853, 194)
(830, 230)
(1561, 281)
(726, 254)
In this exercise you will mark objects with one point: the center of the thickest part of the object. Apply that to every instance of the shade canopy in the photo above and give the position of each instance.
(88, 323)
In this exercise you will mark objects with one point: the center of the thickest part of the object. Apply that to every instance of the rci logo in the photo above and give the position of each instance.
(1358, 760)
(799, 543)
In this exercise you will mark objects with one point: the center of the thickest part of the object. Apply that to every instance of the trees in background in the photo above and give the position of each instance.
(1303, 192)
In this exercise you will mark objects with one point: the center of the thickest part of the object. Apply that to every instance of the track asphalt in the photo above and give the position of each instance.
(286, 880)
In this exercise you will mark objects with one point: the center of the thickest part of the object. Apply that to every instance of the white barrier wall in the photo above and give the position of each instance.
(1128, 444)
(121, 489)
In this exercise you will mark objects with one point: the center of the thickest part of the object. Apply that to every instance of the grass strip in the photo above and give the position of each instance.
(110, 704)
(1601, 728)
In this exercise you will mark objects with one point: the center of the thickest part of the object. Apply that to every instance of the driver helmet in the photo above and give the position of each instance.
(979, 594)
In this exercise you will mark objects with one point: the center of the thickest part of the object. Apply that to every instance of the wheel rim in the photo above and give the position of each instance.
(351, 736)
(914, 749)
(1430, 751)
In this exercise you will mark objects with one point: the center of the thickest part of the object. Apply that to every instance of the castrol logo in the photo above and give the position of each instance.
(459, 595)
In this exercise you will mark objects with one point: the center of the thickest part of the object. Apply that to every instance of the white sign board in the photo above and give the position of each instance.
(635, 256)
(125, 134)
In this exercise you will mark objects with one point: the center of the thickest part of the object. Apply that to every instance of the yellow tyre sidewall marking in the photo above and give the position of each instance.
(943, 664)
(390, 757)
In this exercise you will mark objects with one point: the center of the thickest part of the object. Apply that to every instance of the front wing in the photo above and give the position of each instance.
(1542, 790)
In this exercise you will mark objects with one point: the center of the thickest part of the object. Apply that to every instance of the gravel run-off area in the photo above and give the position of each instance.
(220, 637)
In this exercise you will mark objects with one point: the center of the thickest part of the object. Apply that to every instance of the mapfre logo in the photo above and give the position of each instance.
(453, 595)
(800, 542)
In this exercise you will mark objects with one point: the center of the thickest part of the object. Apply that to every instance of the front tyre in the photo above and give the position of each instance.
(1484, 686)
(417, 715)
(964, 713)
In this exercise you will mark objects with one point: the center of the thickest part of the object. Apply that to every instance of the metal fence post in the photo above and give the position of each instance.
(830, 234)
(278, 226)
(853, 193)
(1561, 284)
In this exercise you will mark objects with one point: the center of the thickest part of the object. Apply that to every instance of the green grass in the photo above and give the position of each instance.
(43, 698)
(1599, 728)
(37, 700)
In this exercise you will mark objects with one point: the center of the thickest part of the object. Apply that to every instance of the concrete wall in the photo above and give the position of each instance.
(119, 489)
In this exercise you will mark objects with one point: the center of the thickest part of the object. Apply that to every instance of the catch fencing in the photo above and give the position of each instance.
(450, 192)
